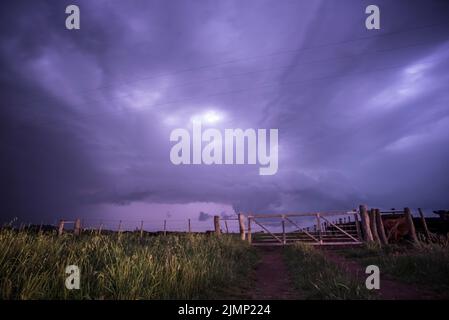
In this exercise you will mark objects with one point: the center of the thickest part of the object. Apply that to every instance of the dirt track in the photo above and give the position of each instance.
(272, 280)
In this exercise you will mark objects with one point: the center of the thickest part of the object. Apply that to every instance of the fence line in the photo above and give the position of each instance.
(362, 225)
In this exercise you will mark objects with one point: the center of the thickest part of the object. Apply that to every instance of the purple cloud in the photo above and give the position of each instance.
(86, 115)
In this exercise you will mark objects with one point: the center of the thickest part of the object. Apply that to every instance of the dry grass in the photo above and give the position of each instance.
(173, 267)
(424, 264)
(319, 279)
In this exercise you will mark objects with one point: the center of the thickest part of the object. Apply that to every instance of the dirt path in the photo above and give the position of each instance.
(272, 280)
(390, 289)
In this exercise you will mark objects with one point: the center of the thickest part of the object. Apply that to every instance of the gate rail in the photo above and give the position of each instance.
(344, 231)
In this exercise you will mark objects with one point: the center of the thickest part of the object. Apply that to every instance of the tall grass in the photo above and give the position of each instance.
(318, 278)
(423, 264)
(32, 266)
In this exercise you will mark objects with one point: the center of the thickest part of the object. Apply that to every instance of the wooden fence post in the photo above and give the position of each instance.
(318, 224)
(411, 226)
(141, 229)
(249, 230)
(165, 227)
(217, 225)
(100, 228)
(373, 225)
(61, 227)
(367, 235)
(226, 225)
(190, 227)
(77, 229)
(241, 218)
(380, 227)
(424, 223)
(284, 240)
(357, 226)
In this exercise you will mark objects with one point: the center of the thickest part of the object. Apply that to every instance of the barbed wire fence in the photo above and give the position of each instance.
(228, 224)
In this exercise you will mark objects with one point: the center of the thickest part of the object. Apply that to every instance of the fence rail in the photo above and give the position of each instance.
(337, 227)
(324, 231)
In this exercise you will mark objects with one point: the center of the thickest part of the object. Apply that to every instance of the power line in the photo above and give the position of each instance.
(306, 81)
(385, 34)
(307, 63)
(283, 52)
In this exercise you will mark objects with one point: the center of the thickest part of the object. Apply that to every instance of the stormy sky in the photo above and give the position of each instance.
(86, 115)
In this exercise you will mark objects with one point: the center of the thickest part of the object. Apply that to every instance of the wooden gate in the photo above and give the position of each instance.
(319, 228)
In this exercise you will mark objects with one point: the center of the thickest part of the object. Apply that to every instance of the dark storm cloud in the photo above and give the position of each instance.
(86, 115)
(203, 216)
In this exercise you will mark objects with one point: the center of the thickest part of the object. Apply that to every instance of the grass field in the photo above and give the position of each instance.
(32, 266)
(319, 279)
(426, 264)
(195, 266)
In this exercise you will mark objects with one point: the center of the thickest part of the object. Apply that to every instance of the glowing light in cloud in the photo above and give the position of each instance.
(210, 117)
